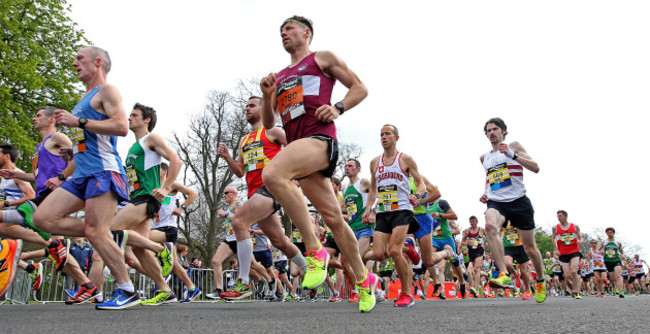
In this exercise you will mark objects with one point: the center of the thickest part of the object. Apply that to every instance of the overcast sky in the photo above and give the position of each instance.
(570, 79)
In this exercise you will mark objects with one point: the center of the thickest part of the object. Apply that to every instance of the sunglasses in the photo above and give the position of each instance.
(227, 192)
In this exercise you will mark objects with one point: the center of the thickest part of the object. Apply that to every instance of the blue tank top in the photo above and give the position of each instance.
(46, 165)
(93, 153)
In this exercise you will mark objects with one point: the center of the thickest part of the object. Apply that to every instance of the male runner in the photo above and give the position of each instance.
(613, 252)
(639, 273)
(514, 253)
(505, 196)
(165, 228)
(394, 216)
(473, 237)
(443, 240)
(99, 179)
(567, 247)
(300, 94)
(49, 172)
(256, 150)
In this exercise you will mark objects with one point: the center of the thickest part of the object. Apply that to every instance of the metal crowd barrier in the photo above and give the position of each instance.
(53, 288)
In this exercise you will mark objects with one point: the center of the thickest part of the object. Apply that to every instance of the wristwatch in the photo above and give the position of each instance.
(82, 122)
(340, 107)
(61, 177)
(515, 156)
(184, 207)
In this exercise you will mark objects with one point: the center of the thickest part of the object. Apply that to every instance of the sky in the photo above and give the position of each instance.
(569, 78)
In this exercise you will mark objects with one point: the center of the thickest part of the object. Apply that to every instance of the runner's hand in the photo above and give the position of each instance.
(483, 199)
(326, 113)
(63, 117)
(66, 153)
(53, 183)
(159, 193)
(7, 173)
(222, 150)
(177, 212)
(267, 84)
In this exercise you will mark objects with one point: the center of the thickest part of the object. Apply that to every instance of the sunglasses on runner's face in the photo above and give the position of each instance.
(227, 192)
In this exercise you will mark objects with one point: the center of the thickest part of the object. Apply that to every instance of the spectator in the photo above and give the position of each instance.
(83, 253)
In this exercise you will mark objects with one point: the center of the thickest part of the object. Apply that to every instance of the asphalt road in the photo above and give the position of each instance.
(513, 315)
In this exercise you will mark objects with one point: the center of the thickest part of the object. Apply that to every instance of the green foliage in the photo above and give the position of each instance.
(544, 241)
(38, 43)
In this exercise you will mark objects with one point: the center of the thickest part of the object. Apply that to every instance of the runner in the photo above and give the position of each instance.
(393, 215)
(597, 261)
(164, 227)
(472, 238)
(613, 253)
(49, 172)
(639, 273)
(515, 253)
(99, 179)
(505, 196)
(567, 247)
(443, 241)
(312, 152)
(256, 150)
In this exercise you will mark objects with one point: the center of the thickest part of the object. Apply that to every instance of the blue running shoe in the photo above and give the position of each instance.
(191, 295)
(71, 293)
(120, 300)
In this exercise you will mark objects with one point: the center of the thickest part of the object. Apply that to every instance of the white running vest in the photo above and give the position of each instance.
(505, 177)
(393, 187)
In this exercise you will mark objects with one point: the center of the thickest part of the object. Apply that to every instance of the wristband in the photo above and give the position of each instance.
(510, 154)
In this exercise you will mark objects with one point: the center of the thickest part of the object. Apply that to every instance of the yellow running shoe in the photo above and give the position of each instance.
(367, 289)
(317, 262)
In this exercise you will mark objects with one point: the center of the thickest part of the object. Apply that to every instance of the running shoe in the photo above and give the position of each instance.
(620, 295)
(525, 295)
(412, 254)
(404, 300)
(441, 294)
(9, 256)
(288, 298)
(317, 262)
(502, 281)
(166, 258)
(191, 295)
(540, 291)
(120, 237)
(161, 298)
(367, 288)
(335, 298)
(354, 297)
(239, 290)
(36, 276)
(577, 295)
(380, 295)
(602, 295)
(273, 287)
(27, 211)
(215, 294)
(473, 292)
(121, 299)
(59, 253)
(518, 282)
(463, 292)
(453, 257)
(83, 295)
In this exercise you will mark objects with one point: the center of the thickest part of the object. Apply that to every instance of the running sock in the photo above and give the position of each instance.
(100, 298)
(128, 287)
(436, 287)
(12, 217)
(192, 289)
(300, 261)
(245, 256)
(88, 285)
(30, 268)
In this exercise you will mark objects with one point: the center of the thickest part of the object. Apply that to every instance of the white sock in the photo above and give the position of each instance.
(245, 256)
(128, 287)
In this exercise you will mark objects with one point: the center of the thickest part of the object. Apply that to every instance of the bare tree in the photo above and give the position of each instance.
(222, 121)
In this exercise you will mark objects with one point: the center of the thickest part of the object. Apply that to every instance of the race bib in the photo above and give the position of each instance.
(290, 99)
(437, 229)
(78, 140)
(598, 263)
(229, 230)
(388, 198)
(253, 155)
(473, 243)
(352, 210)
(513, 237)
(297, 237)
(499, 176)
(132, 178)
(276, 255)
(253, 239)
(610, 253)
(567, 238)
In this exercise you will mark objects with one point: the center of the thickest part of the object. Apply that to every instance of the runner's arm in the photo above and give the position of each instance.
(433, 194)
(110, 103)
(269, 101)
(16, 174)
(369, 215)
(189, 193)
(158, 144)
(524, 159)
(27, 190)
(336, 67)
(237, 167)
(277, 135)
